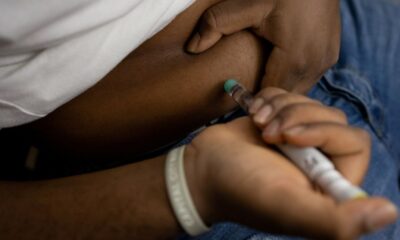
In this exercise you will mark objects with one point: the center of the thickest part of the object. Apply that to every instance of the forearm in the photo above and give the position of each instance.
(122, 203)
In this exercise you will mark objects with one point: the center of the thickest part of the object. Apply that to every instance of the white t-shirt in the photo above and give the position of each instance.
(52, 50)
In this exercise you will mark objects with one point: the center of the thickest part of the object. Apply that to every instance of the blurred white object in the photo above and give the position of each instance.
(51, 51)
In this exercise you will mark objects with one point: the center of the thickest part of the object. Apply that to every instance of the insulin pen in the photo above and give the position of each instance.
(310, 160)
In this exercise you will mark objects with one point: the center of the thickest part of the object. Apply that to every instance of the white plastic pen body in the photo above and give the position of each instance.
(310, 160)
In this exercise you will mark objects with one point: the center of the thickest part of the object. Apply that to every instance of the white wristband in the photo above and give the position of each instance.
(179, 194)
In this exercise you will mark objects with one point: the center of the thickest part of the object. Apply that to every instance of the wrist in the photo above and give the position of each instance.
(204, 162)
(187, 194)
(199, 187)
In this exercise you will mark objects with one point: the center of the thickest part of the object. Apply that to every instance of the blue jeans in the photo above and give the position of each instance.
(364, 84)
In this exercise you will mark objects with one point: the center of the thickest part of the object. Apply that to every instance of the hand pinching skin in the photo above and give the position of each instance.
(305, 36)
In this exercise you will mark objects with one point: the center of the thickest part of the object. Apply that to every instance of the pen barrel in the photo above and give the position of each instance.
(320, 169)
(242, 97)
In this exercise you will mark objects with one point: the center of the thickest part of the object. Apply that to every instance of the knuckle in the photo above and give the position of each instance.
(312, 63)
(300, 67)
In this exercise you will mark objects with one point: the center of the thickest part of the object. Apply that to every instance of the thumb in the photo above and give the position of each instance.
(225, 18)
(303, 212)
(364, 216)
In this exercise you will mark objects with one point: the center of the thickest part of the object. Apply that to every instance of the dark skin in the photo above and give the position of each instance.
(111, 204)
(104, 122)
(305, 36)
(130, 202)
(194, 83)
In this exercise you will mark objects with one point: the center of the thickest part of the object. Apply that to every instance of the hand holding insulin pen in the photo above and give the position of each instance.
(310, 160)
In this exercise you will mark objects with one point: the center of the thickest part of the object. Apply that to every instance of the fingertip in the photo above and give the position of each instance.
(256, 105)
(380, 217)
(193, 44)
(203, 41)
(262, 115)
(272, 134)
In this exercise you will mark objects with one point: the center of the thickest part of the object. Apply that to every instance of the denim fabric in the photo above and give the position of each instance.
(371, 50)
(364, 84)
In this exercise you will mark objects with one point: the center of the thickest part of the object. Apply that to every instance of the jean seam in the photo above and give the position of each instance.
(363, 101)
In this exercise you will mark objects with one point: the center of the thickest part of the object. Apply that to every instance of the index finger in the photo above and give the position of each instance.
(348, 147)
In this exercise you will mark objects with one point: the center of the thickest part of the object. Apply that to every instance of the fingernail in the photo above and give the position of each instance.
(194, 43)
(295, 130)
(381, 217)
(272, 129)
(256, 105)
(262, 116)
